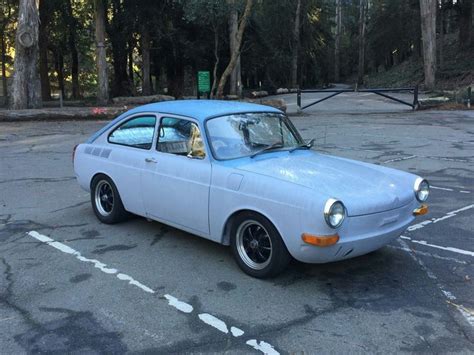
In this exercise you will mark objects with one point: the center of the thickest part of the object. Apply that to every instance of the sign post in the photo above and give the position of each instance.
(203, 83)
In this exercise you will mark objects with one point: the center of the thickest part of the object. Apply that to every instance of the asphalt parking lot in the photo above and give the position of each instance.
(71, 284)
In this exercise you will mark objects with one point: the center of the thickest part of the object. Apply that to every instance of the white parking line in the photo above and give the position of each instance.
(172, 301)
(179, 305)
(425, 243)
(449, 189)
(441, 188)
(436, 256)
(399, 159)
(214, 322)
(262, 346)
(469, 317)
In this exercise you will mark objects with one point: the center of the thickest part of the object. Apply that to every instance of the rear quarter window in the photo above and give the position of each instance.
(137, 132)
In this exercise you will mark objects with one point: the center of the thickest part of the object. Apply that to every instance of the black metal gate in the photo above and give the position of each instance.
(380, 92)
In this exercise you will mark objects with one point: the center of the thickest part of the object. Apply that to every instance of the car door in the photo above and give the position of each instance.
(177, 175)
(130, 143)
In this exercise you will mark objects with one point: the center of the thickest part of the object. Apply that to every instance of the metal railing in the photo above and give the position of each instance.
(381, 92)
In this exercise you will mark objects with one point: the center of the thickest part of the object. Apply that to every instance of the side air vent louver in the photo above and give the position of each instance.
(105, 153)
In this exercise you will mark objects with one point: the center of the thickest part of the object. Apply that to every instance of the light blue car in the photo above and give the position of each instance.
(241, 175)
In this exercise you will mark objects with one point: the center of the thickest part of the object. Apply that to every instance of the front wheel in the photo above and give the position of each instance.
(106, 201)
(257, 246)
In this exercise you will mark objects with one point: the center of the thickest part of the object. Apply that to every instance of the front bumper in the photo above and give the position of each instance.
(360, 235)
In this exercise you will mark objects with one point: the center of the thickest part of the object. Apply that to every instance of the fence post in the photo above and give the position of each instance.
(469, 92)
(298, 100)
(415, 98)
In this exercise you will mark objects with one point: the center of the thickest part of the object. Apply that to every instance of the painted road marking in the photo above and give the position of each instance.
(237, 332)
(425, 243)
(436, 220)
(450, 297)
(436, 256)
(172, 301)
(179, 305)
(449, 189)
(214, 322)
(262, 346)
(441, 188)
(399, 159)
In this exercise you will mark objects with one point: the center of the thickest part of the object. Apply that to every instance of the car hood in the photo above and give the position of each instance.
(363, 188)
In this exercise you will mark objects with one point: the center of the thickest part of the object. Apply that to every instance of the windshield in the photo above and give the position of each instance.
(245, 134)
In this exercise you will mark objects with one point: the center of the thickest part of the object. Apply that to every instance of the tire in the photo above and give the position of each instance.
(257, 246)
(106, 201)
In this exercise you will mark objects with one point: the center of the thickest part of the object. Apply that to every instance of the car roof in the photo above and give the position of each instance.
(198, 109)
(202, 109)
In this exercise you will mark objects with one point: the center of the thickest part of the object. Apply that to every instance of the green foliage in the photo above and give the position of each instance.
(183, 39)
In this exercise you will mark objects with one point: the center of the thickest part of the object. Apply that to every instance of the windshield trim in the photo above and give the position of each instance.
(292, 128)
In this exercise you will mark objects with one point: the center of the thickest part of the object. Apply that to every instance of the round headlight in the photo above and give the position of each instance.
(422, 189)
(334, 213)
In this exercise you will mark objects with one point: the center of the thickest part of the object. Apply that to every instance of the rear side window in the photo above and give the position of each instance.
(137, 132)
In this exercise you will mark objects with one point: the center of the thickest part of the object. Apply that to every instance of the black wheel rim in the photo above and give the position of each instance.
(254, 244)
(104, 198)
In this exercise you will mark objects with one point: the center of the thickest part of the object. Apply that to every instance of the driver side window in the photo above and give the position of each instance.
(180, 137)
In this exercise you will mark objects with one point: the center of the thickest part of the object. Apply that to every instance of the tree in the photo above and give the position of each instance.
(8, 10)
(44, 14)
(236, 52)
(465, 23)
(103, 84)
(428, 31)
(362, 19)
(118, 27)
(235, 75)
(295, 47)
(337, 42)
(72, 46)
(145, 42)
(26, 88)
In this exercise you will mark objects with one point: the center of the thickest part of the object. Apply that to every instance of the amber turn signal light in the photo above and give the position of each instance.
(420, 211)
(320, 241)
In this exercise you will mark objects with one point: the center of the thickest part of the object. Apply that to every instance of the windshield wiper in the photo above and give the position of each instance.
(307, 145)
(270, 147)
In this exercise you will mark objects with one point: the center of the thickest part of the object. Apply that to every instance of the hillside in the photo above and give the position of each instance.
(456, 72)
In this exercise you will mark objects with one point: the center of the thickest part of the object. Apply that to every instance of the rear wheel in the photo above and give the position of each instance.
(106, 200)
(257, 246)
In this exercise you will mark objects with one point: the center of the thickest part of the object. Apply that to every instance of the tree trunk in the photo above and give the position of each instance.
(4, 66)
(337, 44)
(428, 32)
(103, 83)
(44, 11)
(361, 66)
(117, 33)
(235, 76)
(295, 47)
(465, 23)
(59, 66)
(216, 63)
(236, 53)
(131, 75)
(145, 46)
(26, 89)
(441, 35)
(72, 27)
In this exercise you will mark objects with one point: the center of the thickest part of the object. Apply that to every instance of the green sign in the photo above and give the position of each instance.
(204, 81)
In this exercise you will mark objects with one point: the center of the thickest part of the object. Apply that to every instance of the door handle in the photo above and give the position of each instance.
(151, 160)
